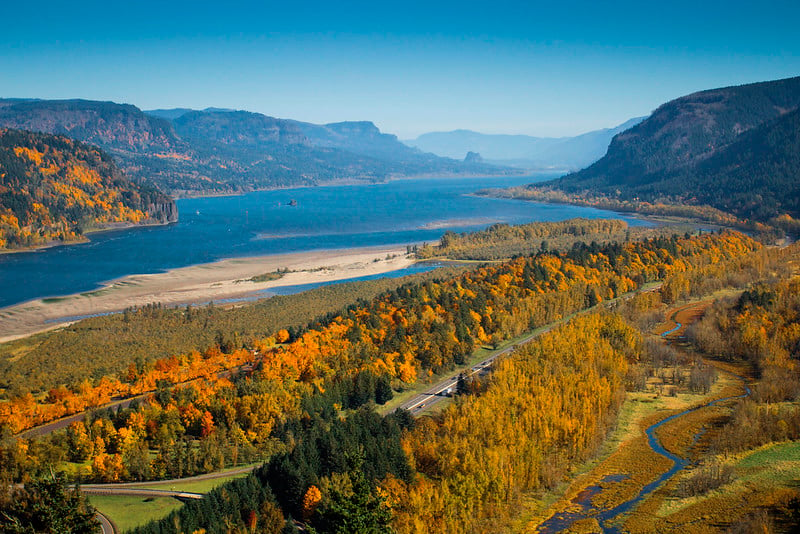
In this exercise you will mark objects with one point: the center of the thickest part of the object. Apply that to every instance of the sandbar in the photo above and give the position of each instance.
(200, 284)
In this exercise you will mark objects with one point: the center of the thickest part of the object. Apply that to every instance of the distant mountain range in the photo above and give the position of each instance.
(523, 150)
(219, 150)
(734, 148)
(53, 188)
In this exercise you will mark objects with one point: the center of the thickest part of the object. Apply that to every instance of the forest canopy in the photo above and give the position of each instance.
(55, 189)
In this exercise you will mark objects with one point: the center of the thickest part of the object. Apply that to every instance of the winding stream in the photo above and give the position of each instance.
(564, 520)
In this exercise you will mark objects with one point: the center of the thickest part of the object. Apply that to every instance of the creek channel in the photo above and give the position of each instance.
(607, 517)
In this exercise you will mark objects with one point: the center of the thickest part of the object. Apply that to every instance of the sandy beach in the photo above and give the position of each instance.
(224, 279)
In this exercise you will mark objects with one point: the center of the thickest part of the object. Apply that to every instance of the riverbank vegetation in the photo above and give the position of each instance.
(503, 241)
(302, 400)
(769, 229)
(744, 454)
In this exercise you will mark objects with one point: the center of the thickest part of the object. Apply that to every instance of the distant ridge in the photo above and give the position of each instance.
(174, 113)
(184, 151)
(523, 150)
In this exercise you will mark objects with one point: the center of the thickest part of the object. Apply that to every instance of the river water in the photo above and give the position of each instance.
(268, 222)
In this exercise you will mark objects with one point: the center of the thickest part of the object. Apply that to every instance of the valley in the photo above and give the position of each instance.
(365, 268)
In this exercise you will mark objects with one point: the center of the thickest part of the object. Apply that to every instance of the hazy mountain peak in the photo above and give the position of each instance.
(523, 150)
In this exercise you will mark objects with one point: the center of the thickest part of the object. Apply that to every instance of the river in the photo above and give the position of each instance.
(268, 222)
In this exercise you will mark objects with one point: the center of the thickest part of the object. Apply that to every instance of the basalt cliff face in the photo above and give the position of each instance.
(184, 151)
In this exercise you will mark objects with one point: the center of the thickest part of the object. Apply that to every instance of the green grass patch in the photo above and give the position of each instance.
(268, 277)
(129, 512)
(53, 300)
(768, 457)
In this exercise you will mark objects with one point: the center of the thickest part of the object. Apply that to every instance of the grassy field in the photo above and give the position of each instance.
(130, 512)
(194, 486)
(763, 477)
(770, 455)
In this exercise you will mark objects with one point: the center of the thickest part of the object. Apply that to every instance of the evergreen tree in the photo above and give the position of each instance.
(46, 506)
(363, 511)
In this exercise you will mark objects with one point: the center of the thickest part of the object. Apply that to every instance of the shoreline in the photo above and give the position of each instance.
(111, 227)
(187, 196)
(348, 182)
(202, 283)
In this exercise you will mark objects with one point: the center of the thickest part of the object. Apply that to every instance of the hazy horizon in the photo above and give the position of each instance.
(537, 70)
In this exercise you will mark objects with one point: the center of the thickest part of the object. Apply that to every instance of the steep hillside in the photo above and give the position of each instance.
(682, 138)
(758, 176)
(523, 150)
(54, 188)
(220, 150)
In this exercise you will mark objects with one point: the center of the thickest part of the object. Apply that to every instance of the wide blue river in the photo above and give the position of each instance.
(261, 223)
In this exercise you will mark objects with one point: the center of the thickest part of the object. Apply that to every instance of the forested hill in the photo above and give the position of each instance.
(219, 150)
(55, 188)
(758, 176)
(731, 148)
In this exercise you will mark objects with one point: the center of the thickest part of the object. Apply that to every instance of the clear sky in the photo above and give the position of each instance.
(541, 68)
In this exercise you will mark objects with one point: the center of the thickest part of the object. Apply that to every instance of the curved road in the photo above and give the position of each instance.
(106, 525)
(87, 488)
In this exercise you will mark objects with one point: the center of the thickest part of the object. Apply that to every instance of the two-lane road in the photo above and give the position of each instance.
(436, 393)
(440, 391)
(106, 525)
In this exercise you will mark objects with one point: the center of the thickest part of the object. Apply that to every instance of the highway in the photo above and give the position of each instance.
(431, 396)
(434, 394)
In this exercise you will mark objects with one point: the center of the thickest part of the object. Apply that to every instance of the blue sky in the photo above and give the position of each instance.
(411, 67)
